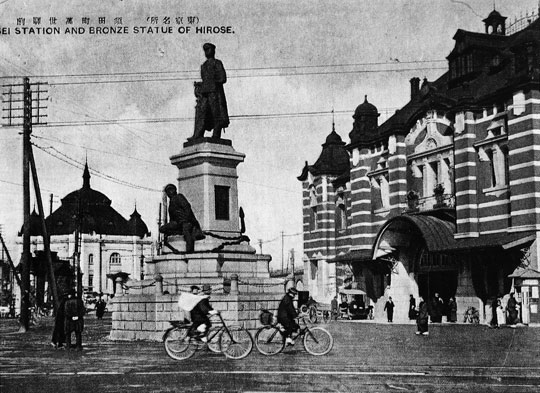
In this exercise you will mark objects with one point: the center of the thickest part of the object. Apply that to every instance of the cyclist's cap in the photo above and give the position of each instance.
(169, 186)
(206, 288)
(195, 287)
(292, 291)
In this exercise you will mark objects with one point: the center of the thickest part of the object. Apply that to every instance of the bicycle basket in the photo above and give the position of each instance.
(266, 317)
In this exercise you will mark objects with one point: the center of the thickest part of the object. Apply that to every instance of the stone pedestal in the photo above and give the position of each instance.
(208, 179)
(239, 277)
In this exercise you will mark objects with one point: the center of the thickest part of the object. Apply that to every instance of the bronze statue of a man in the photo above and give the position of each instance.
(211, 109)
(182, 221)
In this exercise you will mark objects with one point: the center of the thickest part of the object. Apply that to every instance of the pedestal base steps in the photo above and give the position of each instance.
(147, 316)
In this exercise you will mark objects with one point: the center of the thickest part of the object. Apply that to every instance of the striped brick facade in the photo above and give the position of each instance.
(484, 151)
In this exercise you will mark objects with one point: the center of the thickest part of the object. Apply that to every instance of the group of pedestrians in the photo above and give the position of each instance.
(69, 320)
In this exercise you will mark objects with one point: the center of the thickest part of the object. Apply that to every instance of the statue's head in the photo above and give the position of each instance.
(209, 50)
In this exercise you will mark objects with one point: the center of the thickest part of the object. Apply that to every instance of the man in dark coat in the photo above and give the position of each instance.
(211, 110)
(100, 307)
(389, 307)
(74, 320)
(59, 332)
(200, 315)
(287, 314)
(422, 318)
(437, 306)
(511, 306)
(181, 220)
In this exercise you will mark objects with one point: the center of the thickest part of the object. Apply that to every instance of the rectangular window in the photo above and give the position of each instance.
(91, 281)
(221, 194)
(91, 259)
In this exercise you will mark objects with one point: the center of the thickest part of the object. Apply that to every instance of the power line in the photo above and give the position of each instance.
(273, 68)
(72, 162)
(103, 122)
(116, 154)
(248, 76)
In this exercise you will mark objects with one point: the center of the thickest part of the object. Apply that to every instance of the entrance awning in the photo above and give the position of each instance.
(400, 231)
(504, 241)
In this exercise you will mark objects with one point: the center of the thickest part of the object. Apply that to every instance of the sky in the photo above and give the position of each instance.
(289, 65)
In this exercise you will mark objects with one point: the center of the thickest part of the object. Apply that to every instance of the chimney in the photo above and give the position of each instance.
(415, 86)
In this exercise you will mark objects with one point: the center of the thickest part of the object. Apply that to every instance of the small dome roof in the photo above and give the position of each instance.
(136, 225)
(366, 108)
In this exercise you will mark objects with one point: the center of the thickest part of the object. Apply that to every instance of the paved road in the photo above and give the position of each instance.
(366, 357)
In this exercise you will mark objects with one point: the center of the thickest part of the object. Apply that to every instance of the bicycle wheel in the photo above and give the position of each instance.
(178, 345)
(213, 336)
(236, 345)
(269, 340)
(318, 341)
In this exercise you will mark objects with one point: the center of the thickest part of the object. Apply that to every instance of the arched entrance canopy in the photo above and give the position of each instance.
(401, 231)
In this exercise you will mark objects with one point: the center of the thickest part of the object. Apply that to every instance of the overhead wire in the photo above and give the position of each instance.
(271, 68)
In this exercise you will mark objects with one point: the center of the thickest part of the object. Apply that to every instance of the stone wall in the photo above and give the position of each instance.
(146, 316)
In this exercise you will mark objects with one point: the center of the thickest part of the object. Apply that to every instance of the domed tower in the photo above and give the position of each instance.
(365, 122)
(495, 23)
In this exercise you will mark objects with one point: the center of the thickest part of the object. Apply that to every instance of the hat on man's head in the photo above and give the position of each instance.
(292, 291)
(169, 186)
(206, 288)
(195, 287)
(208, 45)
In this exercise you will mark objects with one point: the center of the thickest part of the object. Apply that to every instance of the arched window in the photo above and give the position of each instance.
(115, 259)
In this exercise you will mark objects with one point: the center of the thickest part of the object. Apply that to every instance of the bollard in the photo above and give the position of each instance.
(234, 284)
(119, 290)
(159, 284)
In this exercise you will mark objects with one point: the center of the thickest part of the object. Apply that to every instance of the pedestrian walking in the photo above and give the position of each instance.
(412, 308)
(422, 318)
(74, 320)
(452, 310)
(101, 305)
(389, 307)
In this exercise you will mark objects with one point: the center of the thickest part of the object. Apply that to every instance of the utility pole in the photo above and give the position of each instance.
(50, 204)
(260, 244)
(27, 117)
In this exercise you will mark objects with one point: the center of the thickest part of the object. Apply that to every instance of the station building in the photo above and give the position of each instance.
(110, 246)
(444, 196)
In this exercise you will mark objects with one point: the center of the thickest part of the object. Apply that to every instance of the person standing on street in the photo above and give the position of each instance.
(511, 307)
(59, 332)
(436, 308)
(286, 315)
(422, 318)
(412, 308)
(74, 320)
(101, 305)
(389, 307)
(334, 307)
(452, 310)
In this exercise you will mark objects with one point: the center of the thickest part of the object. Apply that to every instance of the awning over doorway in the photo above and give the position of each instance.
(399, 231)
(504, 241)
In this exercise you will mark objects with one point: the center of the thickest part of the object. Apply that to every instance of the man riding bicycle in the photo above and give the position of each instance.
(286, 315)
(200, 314)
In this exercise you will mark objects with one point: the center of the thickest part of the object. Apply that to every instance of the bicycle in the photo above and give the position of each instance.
(270, 340)
(234, 342)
